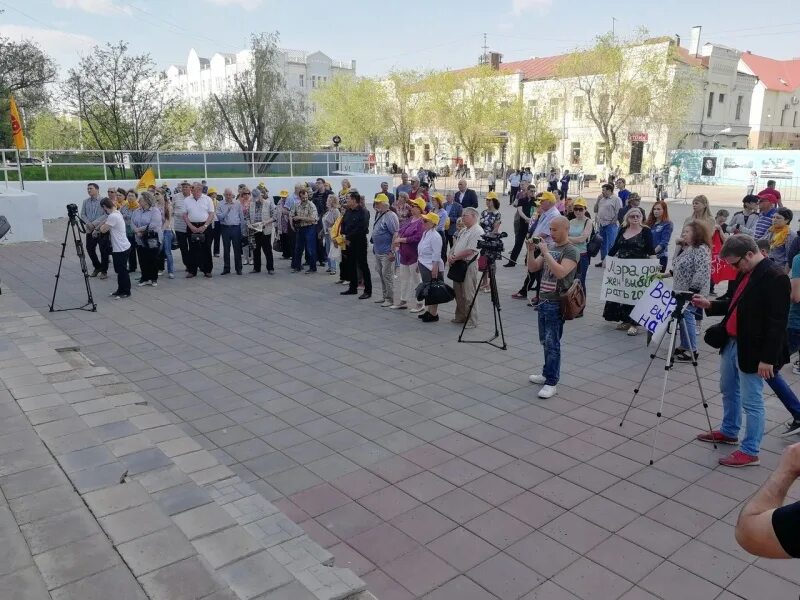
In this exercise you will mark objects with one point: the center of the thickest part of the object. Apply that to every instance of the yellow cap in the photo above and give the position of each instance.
(491, 196)
(419, 203)
(381, 198)
(579, 201)
(212, 190)
(547, 197)
(261, 184)
(283, 194)
(438, 196)
(432, 217)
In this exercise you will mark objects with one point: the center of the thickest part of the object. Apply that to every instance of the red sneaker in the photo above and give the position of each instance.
(716, 437)
(739, 459)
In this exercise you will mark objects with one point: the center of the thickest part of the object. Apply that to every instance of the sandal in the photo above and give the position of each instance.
(633, 330)
(622, 326)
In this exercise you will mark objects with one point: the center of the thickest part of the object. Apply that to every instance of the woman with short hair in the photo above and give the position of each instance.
(406, 241)
(146, 222)
(126, 204)
(164, 204)
(781, 238)
(429, 261)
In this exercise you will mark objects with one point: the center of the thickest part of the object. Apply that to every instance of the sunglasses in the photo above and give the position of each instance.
(578, 209)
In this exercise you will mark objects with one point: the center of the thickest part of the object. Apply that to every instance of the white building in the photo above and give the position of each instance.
(302, 71)
(774, 112)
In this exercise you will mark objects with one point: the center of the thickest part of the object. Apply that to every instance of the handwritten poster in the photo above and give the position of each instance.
(625, 280)
(654, 309)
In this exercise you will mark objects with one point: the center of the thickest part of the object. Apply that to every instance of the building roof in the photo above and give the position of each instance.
(683, 55)
(534, 68)
(779, 75)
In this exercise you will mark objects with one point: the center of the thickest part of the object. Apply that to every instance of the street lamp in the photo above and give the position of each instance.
(726, 131)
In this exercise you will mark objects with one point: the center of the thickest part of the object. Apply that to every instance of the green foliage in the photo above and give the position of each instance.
(529, 130)
(49, 131)
(404, 109)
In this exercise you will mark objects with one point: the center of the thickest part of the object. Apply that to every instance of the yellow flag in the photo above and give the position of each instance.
(16, 125)
(148, 179)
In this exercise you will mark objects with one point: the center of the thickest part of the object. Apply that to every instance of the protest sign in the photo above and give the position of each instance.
(654, 309)
(626, 279)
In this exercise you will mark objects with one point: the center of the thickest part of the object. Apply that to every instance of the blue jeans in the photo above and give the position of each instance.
(551, 326)
(741, 391)
(583, 267)
(778, 384)
(688, 329)
(609, 234)
(306, 237)
(169, 235)
(331, 261)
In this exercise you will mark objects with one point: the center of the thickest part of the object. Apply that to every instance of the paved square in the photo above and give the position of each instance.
(427, 466)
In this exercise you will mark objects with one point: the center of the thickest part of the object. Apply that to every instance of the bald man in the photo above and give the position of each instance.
(558, 263)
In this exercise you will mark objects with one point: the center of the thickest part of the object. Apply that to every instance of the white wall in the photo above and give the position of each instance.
(55, 195)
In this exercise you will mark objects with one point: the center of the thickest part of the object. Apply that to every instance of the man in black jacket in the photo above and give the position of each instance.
(320, 200)
(465, 196)
(755, 321)
(355, 226)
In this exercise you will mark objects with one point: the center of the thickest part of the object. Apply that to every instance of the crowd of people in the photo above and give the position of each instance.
(419, 237)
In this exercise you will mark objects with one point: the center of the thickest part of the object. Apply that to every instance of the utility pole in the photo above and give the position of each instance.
(614, 27)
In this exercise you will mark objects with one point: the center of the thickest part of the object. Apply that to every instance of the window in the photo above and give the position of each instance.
(739, 101)
(426, 152)
(554, 108)
(794, 119)
(600, 154)
(575, 153)
(783, 114)
(302, 80)
(734, 144)
(710, 104)
(705, 144)
(577, 108)
(412, 152)
(721, 98)
(533, 105)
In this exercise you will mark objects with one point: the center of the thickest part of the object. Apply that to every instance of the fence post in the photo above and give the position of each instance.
(5, 168)
(46, 168)
(158, 164)
(105, 172)
(291, 165)
(253, 163)
(327, 164)
(205, 167)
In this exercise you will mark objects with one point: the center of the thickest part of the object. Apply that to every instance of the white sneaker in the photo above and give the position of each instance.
(417, 309)
(171, 275)
(547, 391)
(537, 379)
(386, 304)
(153, 284)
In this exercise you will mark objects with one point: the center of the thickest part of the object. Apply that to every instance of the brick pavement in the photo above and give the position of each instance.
(427, 466)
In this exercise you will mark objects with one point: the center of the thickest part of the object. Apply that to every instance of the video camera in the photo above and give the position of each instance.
(491, 245)
(72, 215)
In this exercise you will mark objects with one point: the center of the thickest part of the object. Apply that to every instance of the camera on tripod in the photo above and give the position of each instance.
(491, 245)
(72, 211)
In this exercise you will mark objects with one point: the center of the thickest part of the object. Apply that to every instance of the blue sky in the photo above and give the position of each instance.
(386, 34)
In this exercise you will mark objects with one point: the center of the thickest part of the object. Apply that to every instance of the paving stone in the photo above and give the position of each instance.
(585, 578)
(59, 529)
(382, 544)
(184, 580)
(23, 584)
(505, 577)
(116, 583)
(203, 520)
(671, 582)
(119, 497)
(542, 554)
(498, 528)
(291, 591)
(254, 575)
(462, 549)
(145, 460)
(134, 522)
(177, 499)
(226, 546)
(44, 504)
(460, 588)
(420, 571)
(156, 550)
(98, 477)
(34, 480)
(75, 561)
(14, 553)
(624, 558)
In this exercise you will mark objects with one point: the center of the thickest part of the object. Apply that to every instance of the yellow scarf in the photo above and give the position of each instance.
(133, 204)
(778, 237)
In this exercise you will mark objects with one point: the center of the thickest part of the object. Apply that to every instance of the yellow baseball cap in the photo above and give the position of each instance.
(579, 201)
(419, 203)
(283, 194)
(491, 196)
(438, 196)
(381, 198)
(547, 197)
(212, 190)
(432, 217)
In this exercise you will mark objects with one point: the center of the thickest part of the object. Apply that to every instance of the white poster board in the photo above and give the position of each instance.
(654, 309)
(625, 280)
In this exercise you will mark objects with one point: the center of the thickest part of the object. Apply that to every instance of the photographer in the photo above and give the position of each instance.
(559, 266)
(114, 225)
(752, 342)
(93, 216)
(466, 249)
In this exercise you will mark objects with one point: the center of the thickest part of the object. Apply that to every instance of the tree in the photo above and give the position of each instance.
(469, 104)
(256, 111)
(626, 83)
(354, 108)
(403, 109)
(528, 128)
(25, 72)
(123, 102)
(49, 131)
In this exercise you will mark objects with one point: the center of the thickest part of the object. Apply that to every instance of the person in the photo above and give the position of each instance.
(744, 221)
(581, 178)
(634, 202)
(491, 180)
(771, 191)
(126, 209)
(491, 220)
(417, 191)
(216, 228)
(781, 238)
(539, 227)
(466, 248)
(262, 214)
(778, 384)
(437, 206)
(622, 193)
(765, 527)
(181, 231)
(526, 176)
(465, 196)
(244, 230)
(355, 226)
(304, 222)
(344, 192)
(384, 229)
(513, 181)
(605, 210)
(691, 272)
(230, 218)
(559, 266)
(402, 208)
(93, 216)
(552, 181)
(565, 184)
(404, 186)
(320, 201)
(406, 242)
(702, 213)
(114, 225)
(146, 223)
(522, 220)
(385, 191)
(164, 204)
(198, 217)
(661, 228)
(580, 229)
(752, 182)
(634, 240)
(755, 322)
(283, 228)
(429, 261)
(331, 216)
(454, 212)
(766, 209)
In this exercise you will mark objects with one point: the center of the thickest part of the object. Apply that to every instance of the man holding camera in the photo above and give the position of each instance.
(93, 217)
(753, 345)
(558, 264)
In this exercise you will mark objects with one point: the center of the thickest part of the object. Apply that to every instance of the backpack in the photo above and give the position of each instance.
(573, 301)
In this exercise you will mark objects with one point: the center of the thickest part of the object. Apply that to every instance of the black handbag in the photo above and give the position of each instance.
(198, 238)
(594, 244)
(435, 292)
(716, 336)
(458, 270)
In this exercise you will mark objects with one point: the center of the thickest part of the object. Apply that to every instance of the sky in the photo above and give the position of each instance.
(387, 34)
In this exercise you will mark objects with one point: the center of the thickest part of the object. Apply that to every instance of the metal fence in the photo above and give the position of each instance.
(103, 165)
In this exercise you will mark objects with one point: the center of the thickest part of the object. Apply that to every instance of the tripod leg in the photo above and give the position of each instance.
(82, 260)
(60, 263)
(641, 381)
(667, 367)
(498, 320)
(703, 397)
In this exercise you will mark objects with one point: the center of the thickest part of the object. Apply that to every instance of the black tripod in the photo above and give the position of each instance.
(672, 331)
(76, 226)
(498, 321)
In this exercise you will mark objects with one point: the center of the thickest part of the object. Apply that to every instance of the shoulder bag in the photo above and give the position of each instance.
(458, 270)
(716, 336)
(595, 242)
(573, 301)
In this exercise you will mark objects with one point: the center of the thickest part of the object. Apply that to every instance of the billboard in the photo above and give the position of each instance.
(729, 166)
